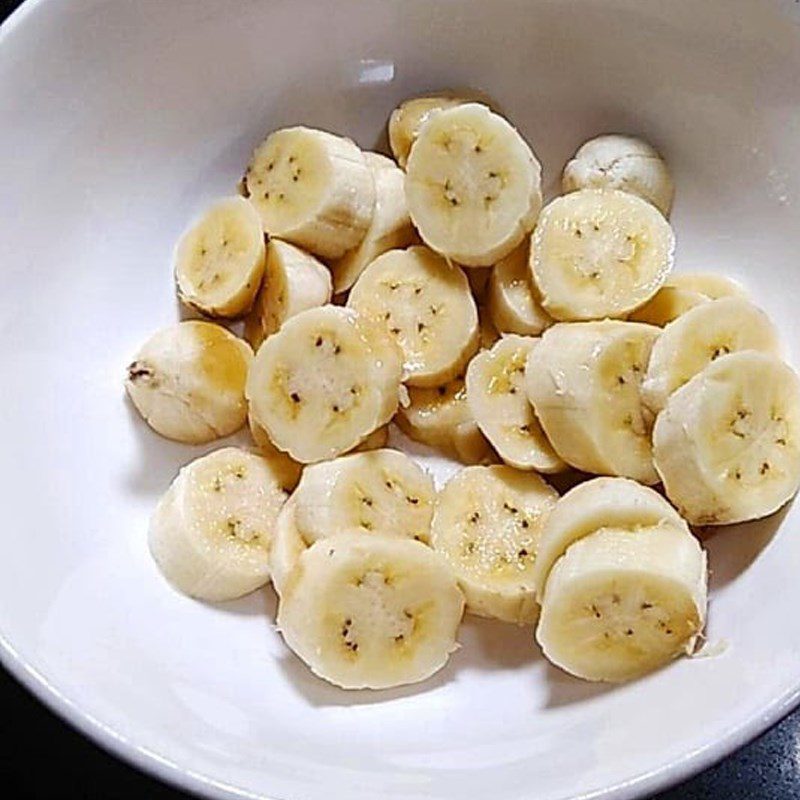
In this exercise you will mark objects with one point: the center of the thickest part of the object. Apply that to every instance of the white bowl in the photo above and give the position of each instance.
(120, 121)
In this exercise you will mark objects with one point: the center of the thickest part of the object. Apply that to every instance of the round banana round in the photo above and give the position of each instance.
(287, 547)
(618, 503)
(700, 336)
(390, 228)
(219, 260)
(619, 605)
(473, 186)
(615, 161)
(498, 402)
(187, 381)
(211, 533)
(408, 118)
(487, 525)
(323, 383)
(313, 189)
(727, 444)
(711, 284)
(512, 305)
(426, 306)
(293, 282)
(371, 612)
(599, 253)
(584, 381)
(666, 305)
(287, 469)
(380, 492)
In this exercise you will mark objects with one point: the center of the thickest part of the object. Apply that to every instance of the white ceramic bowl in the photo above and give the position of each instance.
(120, 121)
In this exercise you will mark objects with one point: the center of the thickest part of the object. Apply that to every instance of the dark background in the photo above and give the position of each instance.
(43, 758)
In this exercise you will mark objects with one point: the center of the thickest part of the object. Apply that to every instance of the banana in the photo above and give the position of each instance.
(371, 611)
(408, 118)
(211, 533)
(390, 228)
(512, 304)
(666, 305)
(618, 605)
(313, 189)
(618, 503)
(425, 304)
(584, 381)
(287, 547)
(285, 467)
(621, 162)
(473, 186)
(497, 400)
(487, 524)
(187, 381)
(293, 282)
(711, 284)
(219, 260)
(323, 383)
(727, 444)
(379, 492)
(599, 253)
(700, 336)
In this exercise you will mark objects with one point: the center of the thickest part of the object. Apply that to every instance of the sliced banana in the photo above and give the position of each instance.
(188, 380)
(618, 605)
(313, 189)
(487, 525)
(219, 260)
(584, 381)
(379, 492)
(293, 282)
(599, 253)
(285, 467)
(371, 611)
(727, 444)
(511, 301)
(211, 533)
(408, 118)
(666, 305)
(618, 503)
(287, 547)
(425, 304)
(473, 186)
(390, 228)
(711, 284)
(498, 402)
(700, 336)
(323, 383)
(621, 162)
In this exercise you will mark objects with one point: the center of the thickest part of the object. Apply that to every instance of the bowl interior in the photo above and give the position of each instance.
(121, 121)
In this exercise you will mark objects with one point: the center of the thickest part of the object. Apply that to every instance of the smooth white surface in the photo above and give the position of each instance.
(121, 120)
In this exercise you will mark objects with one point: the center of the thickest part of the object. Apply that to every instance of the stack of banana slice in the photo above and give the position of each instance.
(436, 293)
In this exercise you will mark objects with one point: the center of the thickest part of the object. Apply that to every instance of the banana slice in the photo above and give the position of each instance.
(313, 189)
(599, 253)
(473, 186)
(666, 305)
(711, 284)
(512, 305)
(727, 445)
(287, 547)
(408, 118)
(621, 162)
(584, 381)
(285, 467)
(380, 492)
(219, 260)
(211, 533)
(188, 380)
(426, 305)
(324, 382)
(371, 611)
(390, 228)
(618, 605)
(618, 503)
(487, 525)
(699, 336)
(498, 402)
(293, 282)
